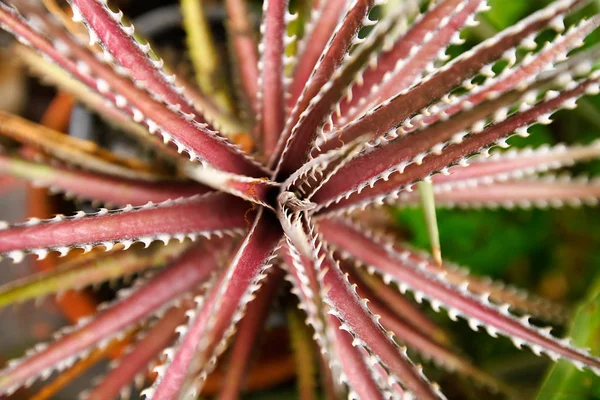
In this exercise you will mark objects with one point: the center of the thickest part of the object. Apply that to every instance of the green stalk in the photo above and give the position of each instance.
(428, 204)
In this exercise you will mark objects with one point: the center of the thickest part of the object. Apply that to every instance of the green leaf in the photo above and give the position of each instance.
(505, 13)
(564, 381)
(487, 241)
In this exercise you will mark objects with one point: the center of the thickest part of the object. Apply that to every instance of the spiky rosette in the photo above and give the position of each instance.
(338, 115)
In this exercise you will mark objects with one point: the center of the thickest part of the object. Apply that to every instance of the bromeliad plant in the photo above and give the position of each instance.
(344, 119)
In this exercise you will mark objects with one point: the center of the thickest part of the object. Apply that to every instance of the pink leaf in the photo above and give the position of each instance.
(353, 314)
(327, 16)
(205, 215)
(96, 186)
(224, 305)
(458, 301)
(106, 28)
(249, 330)
(515, 164)
(318, 96)
(168, 285)
(346, 362)
(139, 357)
(404, 105)
(397, 68)
(356, 177)
(548, 191)
(415, 339)
(273, 50)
